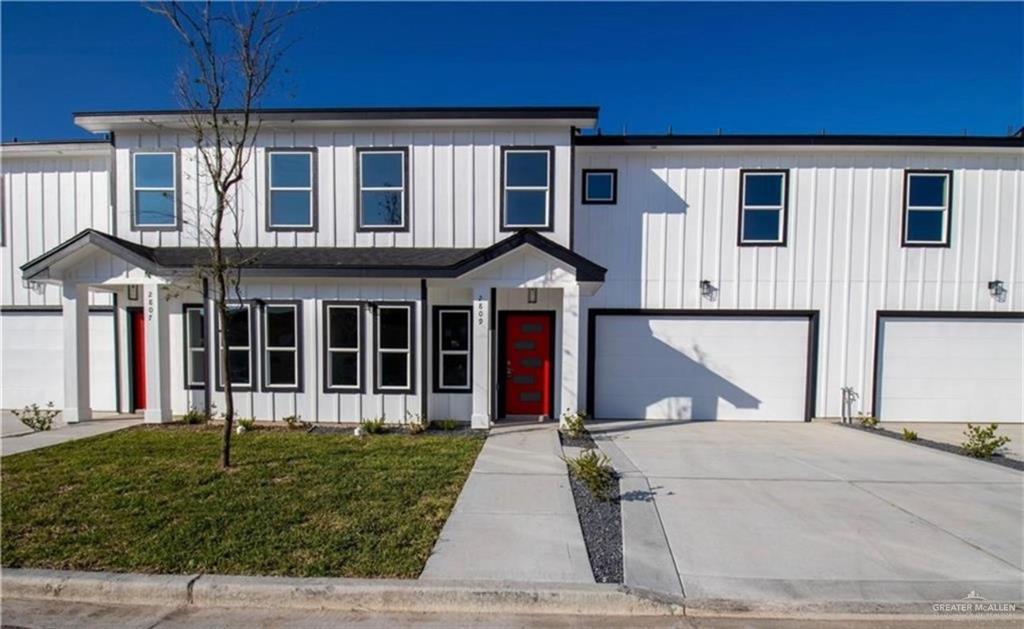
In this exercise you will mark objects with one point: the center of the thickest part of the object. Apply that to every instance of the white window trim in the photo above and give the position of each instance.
(944, 209)
(587, 197)
(779, 209)
(454, 352)
(173, 189)
(268, 348)
(400, 189)
(248, 349)
(357, 349)
(506, 188)
(190, 381)
(271, 188)
(383, 350)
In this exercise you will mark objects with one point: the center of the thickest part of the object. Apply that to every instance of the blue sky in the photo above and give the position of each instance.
(761, 68)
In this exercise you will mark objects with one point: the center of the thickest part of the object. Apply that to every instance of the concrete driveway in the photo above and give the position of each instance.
(814, 512)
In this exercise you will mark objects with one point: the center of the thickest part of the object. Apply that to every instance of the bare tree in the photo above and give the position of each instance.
(233, 54)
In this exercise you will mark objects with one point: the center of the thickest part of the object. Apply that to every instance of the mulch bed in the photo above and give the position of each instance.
(601, 522)
(998, 459)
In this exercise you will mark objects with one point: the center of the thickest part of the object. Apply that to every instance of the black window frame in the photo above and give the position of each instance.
(406, 185)
(550, 218)
(614, 172)
(410, 306)
(947, 211)
(359, 307)
(783, 211)
(253, 349)
(265, 348)
(313, 181)
(175, 177)
(188, 350)
(439, 386)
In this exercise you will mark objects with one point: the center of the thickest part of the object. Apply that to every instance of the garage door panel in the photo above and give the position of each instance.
(955, 369)
(700, 367)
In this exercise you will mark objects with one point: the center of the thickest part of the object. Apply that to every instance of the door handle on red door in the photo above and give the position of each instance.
(508, 369)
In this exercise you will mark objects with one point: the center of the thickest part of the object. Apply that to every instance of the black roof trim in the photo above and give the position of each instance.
(388, 113)
(47, 142)
(798, 140)
(403, 262)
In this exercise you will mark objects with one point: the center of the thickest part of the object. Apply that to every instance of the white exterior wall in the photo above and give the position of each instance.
(675, 224)
(454, 186)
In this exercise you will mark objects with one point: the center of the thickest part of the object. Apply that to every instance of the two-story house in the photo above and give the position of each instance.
(490, 263)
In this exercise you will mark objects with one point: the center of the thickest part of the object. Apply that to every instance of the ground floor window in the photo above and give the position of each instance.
(195, 346)
(239, 346)
(452, 349)
(282, 354)
(342, 345)
(394, 348)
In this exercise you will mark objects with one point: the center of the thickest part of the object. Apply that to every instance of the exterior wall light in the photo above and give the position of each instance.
(133, 292)
(531, 295)
(997, 290)
(708, 290)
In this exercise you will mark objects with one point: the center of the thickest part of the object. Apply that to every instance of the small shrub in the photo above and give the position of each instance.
(867, 421)
(416, 423)
(36, 418)
(594, 470)
(572, 423)
(195, 416)
(982, 441)
(374, 426)
(909, 435)
(446, 424)
(246, 424)
(293, 421)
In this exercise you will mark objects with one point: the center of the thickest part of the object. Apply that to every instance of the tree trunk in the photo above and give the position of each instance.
(222, 311)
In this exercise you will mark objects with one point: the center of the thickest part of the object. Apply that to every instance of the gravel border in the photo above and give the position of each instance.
(997, 459)
(392, 429)
(601, 521)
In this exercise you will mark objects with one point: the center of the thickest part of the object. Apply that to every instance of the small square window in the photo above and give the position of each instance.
(926, 208)
(600, 187)
(290, 190)
(763, 206)
(527, 192)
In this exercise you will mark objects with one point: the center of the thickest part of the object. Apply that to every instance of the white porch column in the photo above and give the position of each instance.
(481, 368)
(569, 392)
(75, 305)
(158, 398)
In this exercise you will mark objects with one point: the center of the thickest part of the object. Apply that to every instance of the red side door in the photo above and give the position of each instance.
(528, 368)
(138, 360)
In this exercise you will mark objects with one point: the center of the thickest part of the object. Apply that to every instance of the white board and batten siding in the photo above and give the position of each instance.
(951, 369)
(454, 186)
(675, 224)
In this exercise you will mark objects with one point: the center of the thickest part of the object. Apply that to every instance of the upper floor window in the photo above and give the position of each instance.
(926, 208)
(763, 205)
(282, 351)
(383, 189)
(154, 189)
(291, 201)
(600, 186)
(527, 194)
(195, 346)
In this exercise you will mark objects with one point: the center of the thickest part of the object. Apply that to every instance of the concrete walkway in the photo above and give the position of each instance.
(63, 433)
(515, 519)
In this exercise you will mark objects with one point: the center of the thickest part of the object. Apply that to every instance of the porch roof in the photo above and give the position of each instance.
(397, 262)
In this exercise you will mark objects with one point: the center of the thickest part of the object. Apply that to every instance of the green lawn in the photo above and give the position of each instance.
(151, 499)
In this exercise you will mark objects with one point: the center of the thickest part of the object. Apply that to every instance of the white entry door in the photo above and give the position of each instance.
(951, 369)
(700, 367)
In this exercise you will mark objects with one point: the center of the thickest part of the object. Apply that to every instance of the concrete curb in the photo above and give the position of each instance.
(372, 595)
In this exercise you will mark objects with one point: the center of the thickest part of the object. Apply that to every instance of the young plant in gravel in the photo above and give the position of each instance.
(982, 441)
(909, 435)
(373, 426)
(594, 470)
(37, 418)
(572, 423)
(867, 421)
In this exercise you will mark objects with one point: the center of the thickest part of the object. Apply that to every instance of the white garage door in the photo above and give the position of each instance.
(951, 369)
(700, 367)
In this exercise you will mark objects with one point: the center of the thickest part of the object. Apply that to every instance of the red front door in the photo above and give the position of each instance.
(528, 368)
(138, 360)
